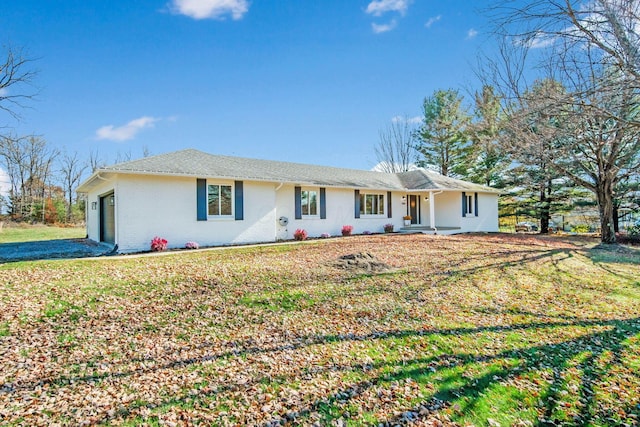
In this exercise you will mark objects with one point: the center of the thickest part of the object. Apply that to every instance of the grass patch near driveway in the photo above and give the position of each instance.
(32, 233)
(480, 330)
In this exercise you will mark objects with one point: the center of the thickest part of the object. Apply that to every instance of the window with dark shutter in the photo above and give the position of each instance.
(298, 202)
(475, 198)
(201, 199)
(464, 204)
(239, 200)
(323, 203)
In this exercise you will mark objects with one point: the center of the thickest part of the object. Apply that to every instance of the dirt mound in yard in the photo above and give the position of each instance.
(361, 262)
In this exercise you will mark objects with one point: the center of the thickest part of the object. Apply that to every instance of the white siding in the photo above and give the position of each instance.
(93, 210)
(148, 206)
(448, 209)
(487, 219)
(340, 211)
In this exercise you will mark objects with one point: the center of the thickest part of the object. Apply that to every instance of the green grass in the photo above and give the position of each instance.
(27, 233)
(478, 330)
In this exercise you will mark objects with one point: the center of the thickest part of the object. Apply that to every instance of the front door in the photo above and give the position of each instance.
(414, 208)
(107, 219)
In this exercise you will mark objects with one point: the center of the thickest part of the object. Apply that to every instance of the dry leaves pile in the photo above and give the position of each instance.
(481, 329)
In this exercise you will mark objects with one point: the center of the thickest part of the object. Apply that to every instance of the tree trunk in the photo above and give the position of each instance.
(545, 213)
(616, 218)
(605, 206)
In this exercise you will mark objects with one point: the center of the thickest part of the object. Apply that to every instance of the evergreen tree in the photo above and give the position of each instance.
(442, 139)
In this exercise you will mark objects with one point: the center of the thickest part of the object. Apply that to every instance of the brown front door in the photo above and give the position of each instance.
(107, 219)
(414, 208)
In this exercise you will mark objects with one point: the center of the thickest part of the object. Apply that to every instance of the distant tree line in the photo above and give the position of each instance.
(42, 179)
(557, 122)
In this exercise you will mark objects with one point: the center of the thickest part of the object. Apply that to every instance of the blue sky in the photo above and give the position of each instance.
(304, 81)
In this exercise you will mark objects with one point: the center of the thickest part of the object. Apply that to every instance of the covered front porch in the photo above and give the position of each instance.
(432, 212)
(423, 229)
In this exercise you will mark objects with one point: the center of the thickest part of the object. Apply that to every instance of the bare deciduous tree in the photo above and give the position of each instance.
(15, 75)
(591, 48)
(28, 161)
(95, 160)
(395, 151)
(71, 170)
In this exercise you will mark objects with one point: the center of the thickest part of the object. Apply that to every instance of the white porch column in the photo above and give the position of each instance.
(432, 211)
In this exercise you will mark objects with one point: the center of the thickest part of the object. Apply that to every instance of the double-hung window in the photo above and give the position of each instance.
(470, 204)
(220, 200)
(309, 202)
(371, 204)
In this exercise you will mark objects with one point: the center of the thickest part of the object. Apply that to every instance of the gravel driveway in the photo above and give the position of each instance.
(51, 249)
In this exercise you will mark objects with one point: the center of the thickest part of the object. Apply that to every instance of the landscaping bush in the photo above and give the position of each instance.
(347, 230)
(191, 245)
(580, 228)
(388, 228)
(300, 234)
(158, 244)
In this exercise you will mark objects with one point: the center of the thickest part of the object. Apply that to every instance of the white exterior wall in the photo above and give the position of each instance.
(340, 205)
(448, 209)
(148, 206)
(487, 219)
(93, 214)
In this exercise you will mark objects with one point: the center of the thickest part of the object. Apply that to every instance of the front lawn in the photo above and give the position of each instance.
(480, 330)
(31, 233)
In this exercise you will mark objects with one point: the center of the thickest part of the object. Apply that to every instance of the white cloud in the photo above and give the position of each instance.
(125, 132)
(214, 9)
(388, 167)
(383, 28)
(540, 42)
(432, 21)
(410, 120)
(472, 33)
(5, 182)
(380, 7)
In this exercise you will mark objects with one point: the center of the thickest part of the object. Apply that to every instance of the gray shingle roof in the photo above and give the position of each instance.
(203, 165)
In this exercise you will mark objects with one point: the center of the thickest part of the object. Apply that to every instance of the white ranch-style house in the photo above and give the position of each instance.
(190, 195)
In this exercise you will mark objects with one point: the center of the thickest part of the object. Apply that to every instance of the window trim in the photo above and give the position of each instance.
(232, 202)
(470, 205)
(381, 204)
(317, 202)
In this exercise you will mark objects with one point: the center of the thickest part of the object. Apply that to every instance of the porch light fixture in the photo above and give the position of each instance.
(94, 206)
(404, 200)
(426, 198)
(112, 200)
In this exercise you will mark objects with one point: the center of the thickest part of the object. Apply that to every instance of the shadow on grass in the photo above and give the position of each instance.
(466, 392)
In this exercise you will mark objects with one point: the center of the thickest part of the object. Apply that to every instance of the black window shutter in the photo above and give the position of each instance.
(239, 200)
(201, 199)
(475, 201)
(357, 203)
(389, 215)
(464, 203)
(298, 202)
(323, 203)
